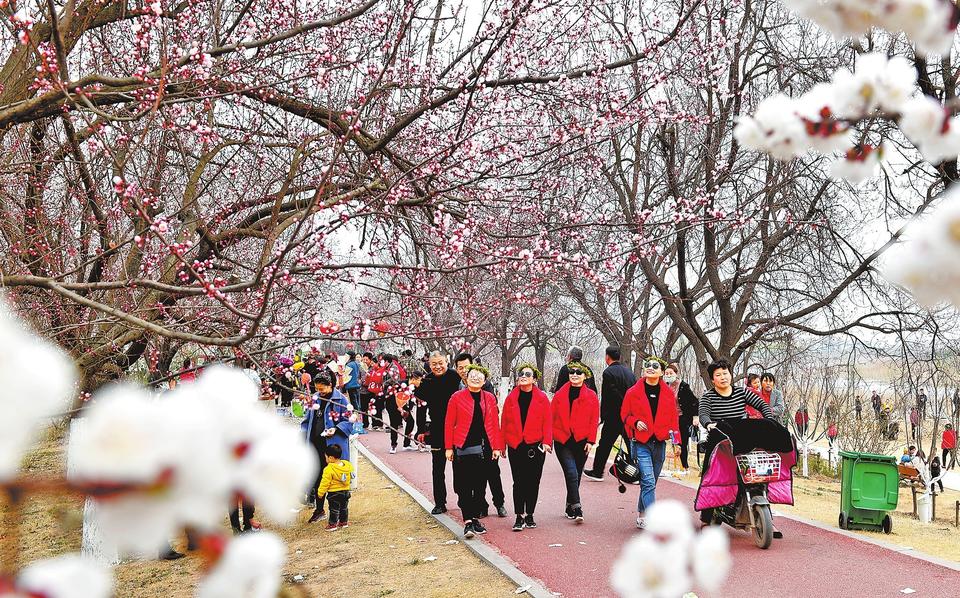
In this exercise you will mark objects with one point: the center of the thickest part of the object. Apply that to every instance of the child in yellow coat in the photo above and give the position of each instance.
(335, 484)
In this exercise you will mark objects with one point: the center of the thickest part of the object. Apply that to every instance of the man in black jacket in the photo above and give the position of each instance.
(435, 390)
(617, 379)
(575, 353)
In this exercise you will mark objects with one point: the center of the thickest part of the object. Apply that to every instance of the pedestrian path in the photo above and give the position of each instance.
(574, 560)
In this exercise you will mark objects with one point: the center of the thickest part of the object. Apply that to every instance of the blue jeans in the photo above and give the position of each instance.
(572, 458)
(649, 456)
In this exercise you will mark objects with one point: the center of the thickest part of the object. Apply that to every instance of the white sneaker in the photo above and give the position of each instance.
(423, 449)
(641, 523)
(393, 450)
(409, 448)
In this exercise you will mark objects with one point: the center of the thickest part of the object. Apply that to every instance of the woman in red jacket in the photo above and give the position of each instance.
(576, 415)
(472, 436)
(649, 413)
(528, 432)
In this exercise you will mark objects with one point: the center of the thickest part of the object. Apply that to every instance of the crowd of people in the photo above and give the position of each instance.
(453, 412)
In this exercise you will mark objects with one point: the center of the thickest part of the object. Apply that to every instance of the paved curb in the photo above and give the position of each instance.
(486, 552)
(905, 550)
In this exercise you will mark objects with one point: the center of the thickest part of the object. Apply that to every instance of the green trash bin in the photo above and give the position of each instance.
(869, 490)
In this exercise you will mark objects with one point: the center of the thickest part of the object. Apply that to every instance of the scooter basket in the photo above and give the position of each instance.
(759, 466)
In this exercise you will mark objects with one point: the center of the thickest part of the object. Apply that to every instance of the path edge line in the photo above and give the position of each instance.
(483, 550)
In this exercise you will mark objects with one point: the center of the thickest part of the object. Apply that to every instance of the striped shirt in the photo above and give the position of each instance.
(715, 407)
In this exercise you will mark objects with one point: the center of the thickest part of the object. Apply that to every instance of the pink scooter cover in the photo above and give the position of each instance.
(719, 486)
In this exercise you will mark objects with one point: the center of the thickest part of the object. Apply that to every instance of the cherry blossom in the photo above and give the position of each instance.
(38, 383)
(65, 576)
(249, 568)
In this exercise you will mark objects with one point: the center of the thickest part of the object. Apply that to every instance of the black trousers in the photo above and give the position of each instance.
(469, 478)
(491, 468)
(339, 503)
(396, 420)
(316, 484)
(248, 510)
(439, 463)
(685, 426)
(609, 432)
(366, 405)
(526, 471)
(409, 422)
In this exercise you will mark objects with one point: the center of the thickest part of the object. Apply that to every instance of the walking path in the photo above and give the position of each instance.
(574, 560)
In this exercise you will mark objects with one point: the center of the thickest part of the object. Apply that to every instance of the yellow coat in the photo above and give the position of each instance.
(336, 477)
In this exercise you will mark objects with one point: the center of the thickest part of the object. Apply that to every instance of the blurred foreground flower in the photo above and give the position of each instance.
(927, 263)
(657, 563)
(249, 568)
(67, 576)
(38, 382)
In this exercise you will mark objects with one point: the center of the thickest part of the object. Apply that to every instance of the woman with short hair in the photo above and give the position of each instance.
(472, 437)
(528, 432)
(687, 407)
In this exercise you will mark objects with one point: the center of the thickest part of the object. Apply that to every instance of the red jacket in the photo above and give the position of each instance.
(949, 440)
(460, 415)
(581, 420)
(636, 407)
(539, 426)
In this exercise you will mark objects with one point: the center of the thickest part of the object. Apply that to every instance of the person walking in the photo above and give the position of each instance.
(649, 414)
(948, 445)
(463, 362)
(353, 384)
(394, 378)
(858, 408)
(915, 423)
(922, 403)
(472, 437)
(688, 407)
(435, 392)
(876, 403)
(574, 354)
(576, 415)
(528, 433)
(616, 380)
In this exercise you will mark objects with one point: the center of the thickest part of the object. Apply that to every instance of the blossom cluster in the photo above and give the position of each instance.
(930, 24)
(786, 127)
(154, 465)
(670, 558)
(928, 261)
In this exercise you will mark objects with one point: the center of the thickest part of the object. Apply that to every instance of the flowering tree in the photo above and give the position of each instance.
(190, 171)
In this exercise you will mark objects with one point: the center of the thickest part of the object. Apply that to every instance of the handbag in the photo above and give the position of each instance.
(624, 468)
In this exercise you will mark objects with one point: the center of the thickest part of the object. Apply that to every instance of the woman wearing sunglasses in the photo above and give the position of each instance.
(649, 413)
(528, 433)
(576, 415)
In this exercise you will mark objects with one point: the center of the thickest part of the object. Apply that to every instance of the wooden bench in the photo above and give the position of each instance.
(909, 475)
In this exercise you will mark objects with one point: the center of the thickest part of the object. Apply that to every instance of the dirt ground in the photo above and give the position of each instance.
(383, 553)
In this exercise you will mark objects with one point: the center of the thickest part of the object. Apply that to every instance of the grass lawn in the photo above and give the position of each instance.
(382, 553)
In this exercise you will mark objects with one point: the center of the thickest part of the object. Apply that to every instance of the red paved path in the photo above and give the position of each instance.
(807, 562)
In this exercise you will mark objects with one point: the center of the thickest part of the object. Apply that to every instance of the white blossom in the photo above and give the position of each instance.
(66, 576)
(249, 568)
(647, 568)
(712, 562)
(926, 123)
(855, 167)
(927, 262)
(37, 381)
(775, 129)
(276, 470)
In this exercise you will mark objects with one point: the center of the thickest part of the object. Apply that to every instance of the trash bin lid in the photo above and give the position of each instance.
(869, 457)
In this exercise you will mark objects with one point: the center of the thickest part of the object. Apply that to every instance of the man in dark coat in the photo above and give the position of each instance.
(435, 391)
(563, 376)
(617, 379)
(461, 362)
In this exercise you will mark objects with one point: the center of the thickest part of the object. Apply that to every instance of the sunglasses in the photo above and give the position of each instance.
(653, 365)
(577, 373)
(526, 374)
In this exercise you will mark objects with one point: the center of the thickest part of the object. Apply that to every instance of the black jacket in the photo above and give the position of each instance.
(616, 380)
(563, 376)
(689, 403)
(435, 391)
